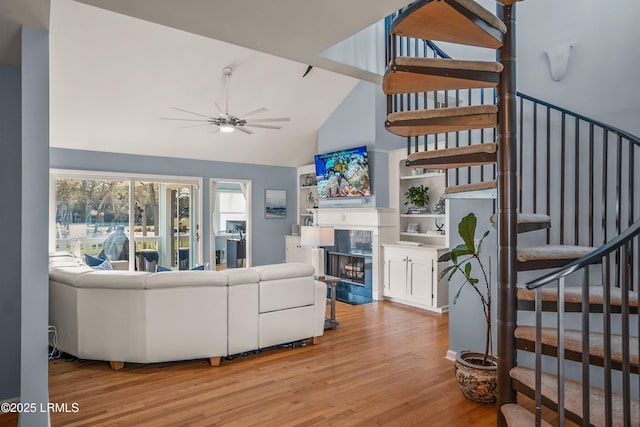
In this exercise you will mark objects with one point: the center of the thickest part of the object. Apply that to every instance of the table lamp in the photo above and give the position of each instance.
(317, 237)
(77, 232)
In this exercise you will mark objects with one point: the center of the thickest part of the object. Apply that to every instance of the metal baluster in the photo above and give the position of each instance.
(606, 317)
(535, 157)
(538, 362)
(585, 349)
(591, 183)
(576, 237)
(626, 349)
(605, 163)
(560, 355)
(562, 176)
(548, 166)
(521, 164)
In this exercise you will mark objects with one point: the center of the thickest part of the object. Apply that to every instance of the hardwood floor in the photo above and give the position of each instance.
(384, 365)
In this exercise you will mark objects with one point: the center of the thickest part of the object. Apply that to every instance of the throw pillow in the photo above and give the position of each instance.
(93, 261)
(161, 268)
(105, 265)
(200, 267)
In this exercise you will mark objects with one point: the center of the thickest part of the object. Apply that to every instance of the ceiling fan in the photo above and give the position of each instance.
(228, 122)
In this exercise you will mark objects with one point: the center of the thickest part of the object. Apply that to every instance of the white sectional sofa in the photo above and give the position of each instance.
(141, 317)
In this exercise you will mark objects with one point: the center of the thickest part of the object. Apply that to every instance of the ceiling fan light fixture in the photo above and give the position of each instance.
(227, 128)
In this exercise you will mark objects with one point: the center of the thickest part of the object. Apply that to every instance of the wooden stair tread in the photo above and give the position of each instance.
(573, 396)
(442, 120)
(485, 185)
(411, 75)
(573, 294)
(456, 21)
(517, 416)
(457, 157)
(573, 343)
(528, 221)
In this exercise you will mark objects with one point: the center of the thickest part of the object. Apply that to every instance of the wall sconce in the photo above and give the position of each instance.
(317, 237)
(558, 56)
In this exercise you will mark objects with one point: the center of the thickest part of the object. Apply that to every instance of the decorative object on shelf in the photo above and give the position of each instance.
(439, 226)
(310, 180)
(312, 202)
(295, 230)
(308, 221)
(476, 372)
(413, 228)
(439, 208)
(317, 237)
(417, 199)
(275, 204)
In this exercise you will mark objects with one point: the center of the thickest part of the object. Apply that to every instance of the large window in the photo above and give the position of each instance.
(139, 222)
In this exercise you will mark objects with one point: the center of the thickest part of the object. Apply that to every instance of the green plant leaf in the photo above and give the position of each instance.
(455, 298)
(447, 270)
(473, 280)
(467, 230)
(467, 269)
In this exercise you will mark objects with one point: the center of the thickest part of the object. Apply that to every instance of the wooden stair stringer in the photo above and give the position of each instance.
(412, 75)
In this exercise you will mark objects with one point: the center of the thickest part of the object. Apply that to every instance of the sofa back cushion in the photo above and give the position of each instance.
(179, 279)
(286, 293)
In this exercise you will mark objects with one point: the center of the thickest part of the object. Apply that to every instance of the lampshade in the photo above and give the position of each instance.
(226, 128)
(316, 236)
(77, 231)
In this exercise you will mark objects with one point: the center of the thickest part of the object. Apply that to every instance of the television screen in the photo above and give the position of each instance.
(343, 173)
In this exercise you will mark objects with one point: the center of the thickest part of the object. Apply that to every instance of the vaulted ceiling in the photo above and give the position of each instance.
(117, 66)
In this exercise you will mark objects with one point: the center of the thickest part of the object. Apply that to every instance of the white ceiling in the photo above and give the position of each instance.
(113, 76)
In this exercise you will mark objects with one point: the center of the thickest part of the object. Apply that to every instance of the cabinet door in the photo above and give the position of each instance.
(294, 252)
(395, 277)
(419, 279)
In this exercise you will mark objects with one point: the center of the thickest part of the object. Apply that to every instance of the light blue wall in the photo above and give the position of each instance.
(268, 234)
(10, 174)
(34, 228)
(359, 120)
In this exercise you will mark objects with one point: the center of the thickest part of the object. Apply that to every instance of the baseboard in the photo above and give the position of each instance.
(451, 355)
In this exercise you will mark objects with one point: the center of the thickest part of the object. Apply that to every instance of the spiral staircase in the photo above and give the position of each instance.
(575, 328)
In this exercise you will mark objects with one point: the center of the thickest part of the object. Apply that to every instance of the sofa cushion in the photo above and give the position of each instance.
(284, 271)
(69, 275)
(179, 279)
(113, 280)
(286, 293)
(64, 259)
(241, 276)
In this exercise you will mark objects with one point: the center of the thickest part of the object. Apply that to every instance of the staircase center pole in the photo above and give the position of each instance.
(507, 210)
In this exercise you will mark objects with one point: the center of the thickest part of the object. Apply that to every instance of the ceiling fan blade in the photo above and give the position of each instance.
(192, 112)
(279, 119)
(194, 126)
(184, 120)
(247, 131)
(251, 113)
(263, 126)
(219, 108)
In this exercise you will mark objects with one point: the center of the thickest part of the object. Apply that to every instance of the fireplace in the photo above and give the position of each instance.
(350, 260)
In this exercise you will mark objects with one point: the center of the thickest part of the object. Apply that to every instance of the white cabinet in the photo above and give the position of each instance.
(294, 252)
(411, 276)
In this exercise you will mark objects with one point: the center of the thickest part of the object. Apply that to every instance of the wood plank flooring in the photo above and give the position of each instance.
(384, 365)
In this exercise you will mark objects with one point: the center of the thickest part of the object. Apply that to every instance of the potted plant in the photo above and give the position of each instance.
(418, 197)
(476, 372)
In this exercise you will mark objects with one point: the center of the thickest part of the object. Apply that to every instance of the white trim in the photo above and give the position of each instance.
(131, 178)
(249, 232)
(451, 355)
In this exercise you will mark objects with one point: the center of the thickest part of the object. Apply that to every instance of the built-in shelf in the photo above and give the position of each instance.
(405, 233)
(307, 214)
(423, 175)
(425, 215)
(308, 186)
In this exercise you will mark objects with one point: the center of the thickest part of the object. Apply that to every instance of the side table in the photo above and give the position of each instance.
(332, 282)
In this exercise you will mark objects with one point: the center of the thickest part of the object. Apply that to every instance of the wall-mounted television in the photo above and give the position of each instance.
(343, 173)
